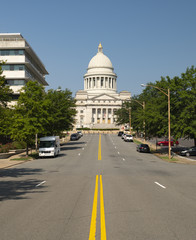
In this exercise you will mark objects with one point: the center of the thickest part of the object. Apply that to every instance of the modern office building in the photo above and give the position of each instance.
(96, 104)
(22, 63)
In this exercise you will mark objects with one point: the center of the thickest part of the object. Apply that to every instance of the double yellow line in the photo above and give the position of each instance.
(92, 233)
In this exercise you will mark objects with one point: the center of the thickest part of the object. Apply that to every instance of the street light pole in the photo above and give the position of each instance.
(169, 127)
(129, 100)
(130, 119)
(144, 123)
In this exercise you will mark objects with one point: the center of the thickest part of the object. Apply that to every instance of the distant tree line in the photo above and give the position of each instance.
(35, 112)
(153, 119)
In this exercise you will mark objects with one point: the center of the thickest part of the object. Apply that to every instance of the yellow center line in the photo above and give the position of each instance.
(94, 213)
(102, 212)
(99, 149)
(92, 233)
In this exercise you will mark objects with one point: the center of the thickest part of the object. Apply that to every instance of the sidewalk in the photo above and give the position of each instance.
(8, 162)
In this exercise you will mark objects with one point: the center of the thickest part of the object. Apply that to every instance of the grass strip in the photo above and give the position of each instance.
(136, 141)
(21, 159)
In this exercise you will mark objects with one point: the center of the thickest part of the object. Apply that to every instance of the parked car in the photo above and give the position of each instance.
(189, 152)
(74, 137)
(123, 135)
(120, 133)
(166, 142)
(80, 133)
(128, 138)
(143, 148)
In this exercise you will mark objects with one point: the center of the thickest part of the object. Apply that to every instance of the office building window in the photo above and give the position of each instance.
(13, 67)
(17, 82)
(15, 52)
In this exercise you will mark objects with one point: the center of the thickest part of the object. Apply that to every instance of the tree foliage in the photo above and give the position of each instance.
(30, 115)
(61, 111)
(5, 91)
(5, 112)
(122, 114)
(182, 103)
(42, 113)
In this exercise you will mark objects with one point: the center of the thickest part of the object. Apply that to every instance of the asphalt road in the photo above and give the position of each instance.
(137, 196)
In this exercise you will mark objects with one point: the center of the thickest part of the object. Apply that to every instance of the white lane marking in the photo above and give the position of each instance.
(82, 148)
(123, 159)
(115, 146)
(40, 184)
(160, 185)
(78, 154)
(118, 153)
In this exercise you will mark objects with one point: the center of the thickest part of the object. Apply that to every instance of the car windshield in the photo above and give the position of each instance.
(46, 144)
(129, 135)
(144, 145)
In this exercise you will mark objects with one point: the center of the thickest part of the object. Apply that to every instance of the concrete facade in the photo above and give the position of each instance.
(22, 63)
(96, 104)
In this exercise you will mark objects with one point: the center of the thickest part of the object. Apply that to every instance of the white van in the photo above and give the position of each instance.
(49, 146)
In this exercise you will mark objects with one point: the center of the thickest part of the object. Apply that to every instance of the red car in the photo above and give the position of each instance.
(166, 143)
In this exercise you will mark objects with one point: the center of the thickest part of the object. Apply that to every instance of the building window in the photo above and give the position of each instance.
(14, 52)
(15, 82)
(81, 111)
(15, 96)
(106, 82)
(102, 82)
(87, 83)
(13, 67)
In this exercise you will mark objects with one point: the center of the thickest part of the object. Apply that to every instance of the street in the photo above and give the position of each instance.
(99, 187)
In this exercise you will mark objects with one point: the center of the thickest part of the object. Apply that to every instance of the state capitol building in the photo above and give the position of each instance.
(96, 104)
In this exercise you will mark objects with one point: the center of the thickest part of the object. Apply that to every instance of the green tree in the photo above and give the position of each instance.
(30, 114)
(5, 112)
(61, 111)
(183, 98)
(5, 91)
(182, 103)
(122, 114)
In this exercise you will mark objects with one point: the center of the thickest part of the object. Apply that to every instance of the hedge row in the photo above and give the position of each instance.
(98, 129)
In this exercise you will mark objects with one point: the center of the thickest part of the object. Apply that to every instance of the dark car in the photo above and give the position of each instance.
(80, 134)
(143, 148)
(74, 137)
(120, 133)
(189, 152)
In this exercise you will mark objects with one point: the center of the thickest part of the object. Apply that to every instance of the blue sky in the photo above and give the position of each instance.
(144, 39)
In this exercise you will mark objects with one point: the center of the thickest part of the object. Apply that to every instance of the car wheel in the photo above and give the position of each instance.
(187, 154)
(161, 144)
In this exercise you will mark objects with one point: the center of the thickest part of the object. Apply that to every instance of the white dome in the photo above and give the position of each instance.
(100, 60)
(100, 77)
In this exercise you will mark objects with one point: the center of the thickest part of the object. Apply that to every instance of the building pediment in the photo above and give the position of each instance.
(104, 97)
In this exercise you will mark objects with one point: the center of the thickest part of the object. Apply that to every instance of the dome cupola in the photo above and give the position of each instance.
(100, 60)
(100, 76)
